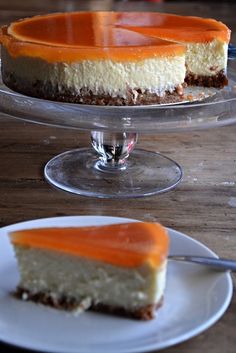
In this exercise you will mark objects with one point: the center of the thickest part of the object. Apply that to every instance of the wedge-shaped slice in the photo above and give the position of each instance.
(118, 268)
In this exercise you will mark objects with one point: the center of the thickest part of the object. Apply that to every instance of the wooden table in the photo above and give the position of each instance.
(202, 206)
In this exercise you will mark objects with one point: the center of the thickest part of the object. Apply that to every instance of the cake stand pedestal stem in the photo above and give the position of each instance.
(113, 148)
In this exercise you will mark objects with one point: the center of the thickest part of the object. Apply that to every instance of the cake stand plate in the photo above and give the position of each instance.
(112, 169)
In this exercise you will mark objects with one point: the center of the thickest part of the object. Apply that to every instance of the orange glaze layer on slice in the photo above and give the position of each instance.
(125, 245)
(70, 37)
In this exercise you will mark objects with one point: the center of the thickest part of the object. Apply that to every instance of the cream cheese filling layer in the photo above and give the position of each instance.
(207, 59)
(90, 281)
(155, 75)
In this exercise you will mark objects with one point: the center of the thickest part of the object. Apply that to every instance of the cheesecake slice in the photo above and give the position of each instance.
(118, 269)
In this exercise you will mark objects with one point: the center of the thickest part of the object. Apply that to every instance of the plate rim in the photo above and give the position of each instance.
(150, 347)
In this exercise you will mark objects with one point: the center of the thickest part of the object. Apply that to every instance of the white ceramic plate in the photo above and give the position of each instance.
(195, 298)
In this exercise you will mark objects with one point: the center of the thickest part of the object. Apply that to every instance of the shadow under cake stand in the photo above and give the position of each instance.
(112, 168)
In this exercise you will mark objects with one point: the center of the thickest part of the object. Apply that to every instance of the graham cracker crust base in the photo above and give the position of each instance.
(70, 304)
(133, 96)
(217, 81)
(85, 96)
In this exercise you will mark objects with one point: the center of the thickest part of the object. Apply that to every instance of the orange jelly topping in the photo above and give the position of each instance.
(81, 36)
(118, 36)
(126, 245)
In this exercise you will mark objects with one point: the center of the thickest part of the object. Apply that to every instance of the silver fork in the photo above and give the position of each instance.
(215, 263)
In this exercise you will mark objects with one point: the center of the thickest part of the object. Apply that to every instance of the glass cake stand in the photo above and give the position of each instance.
(109, 169)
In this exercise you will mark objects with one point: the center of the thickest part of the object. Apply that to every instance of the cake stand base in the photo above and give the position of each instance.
(145, 173)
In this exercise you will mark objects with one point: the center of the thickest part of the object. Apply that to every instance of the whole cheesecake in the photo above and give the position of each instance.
(113, 58)
(118, 269)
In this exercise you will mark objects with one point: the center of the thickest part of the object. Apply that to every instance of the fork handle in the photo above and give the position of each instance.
(216, 263)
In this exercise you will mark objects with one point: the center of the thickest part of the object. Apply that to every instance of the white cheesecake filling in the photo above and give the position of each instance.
(89, 281)
(155, 75)
(207, 59)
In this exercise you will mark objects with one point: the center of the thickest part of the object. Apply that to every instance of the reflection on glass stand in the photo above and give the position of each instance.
(113, 168)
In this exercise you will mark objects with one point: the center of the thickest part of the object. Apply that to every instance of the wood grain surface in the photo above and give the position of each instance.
(202, 206)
